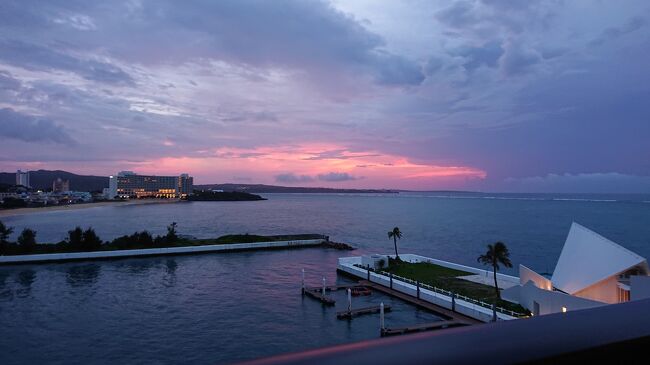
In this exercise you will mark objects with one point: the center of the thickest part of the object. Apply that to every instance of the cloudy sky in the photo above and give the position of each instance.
(493, 95)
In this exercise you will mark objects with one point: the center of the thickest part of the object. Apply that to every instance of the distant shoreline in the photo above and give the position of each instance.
(53, 208)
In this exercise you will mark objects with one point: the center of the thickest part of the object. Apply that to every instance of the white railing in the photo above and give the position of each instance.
(444, 292)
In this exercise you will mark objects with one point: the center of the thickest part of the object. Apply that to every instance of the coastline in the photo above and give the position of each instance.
(25, 211)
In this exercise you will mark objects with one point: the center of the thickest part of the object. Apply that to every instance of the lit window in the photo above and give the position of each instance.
(563, 309)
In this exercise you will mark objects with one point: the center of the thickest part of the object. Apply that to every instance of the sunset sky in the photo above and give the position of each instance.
(492, 95)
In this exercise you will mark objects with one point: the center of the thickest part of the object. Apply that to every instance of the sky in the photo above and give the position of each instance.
(489, 95)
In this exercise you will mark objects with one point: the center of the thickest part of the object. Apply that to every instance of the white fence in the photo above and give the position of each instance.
(470, 307)
(16, 259)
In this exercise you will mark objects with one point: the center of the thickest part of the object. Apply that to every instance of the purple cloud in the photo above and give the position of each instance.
(29, 128)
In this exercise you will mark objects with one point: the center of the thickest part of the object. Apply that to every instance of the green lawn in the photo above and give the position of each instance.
(445, 278)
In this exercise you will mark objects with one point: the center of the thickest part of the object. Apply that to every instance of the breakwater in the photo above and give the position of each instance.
(97, 255)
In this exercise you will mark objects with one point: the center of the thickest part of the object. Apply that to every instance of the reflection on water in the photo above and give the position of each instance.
(136, 266)
(82, 275)
(170, 272)
(212, 306)
(25, 278)
(171, 266)
(4, 275)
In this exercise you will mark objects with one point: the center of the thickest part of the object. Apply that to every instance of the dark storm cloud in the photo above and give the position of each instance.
(308, 35)
(29, 128)
(305, 34)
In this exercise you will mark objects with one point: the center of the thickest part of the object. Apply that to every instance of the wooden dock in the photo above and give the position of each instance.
(317, 292)
(361, 311)
(421, 327)
(332, 287)
(446, 314)
(318, 295)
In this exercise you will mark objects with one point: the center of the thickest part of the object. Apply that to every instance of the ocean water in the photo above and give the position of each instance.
(219, 308)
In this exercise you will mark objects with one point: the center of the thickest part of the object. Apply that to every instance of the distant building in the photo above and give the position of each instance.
(127, 184)
(59, 185)
(22, 178)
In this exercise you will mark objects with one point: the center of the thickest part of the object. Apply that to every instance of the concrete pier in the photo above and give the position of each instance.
(103, 255)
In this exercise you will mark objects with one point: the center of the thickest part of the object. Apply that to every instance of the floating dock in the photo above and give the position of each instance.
(421, 327)
(361, 311)
(446, 314)
(318, 295)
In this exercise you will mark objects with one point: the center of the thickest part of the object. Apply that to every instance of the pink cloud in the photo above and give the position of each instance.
(320, 161)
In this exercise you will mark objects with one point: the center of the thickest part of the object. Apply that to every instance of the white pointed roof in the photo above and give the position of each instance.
(588, 258)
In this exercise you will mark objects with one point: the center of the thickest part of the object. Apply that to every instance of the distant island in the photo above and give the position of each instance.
(261, 188)
(222, 196)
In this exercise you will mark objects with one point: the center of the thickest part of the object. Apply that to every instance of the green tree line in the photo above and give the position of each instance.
(84, 240)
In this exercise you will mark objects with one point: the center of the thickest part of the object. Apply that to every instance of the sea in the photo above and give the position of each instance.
(223, 308)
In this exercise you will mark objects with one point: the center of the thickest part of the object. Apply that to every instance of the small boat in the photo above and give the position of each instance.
(360, 291)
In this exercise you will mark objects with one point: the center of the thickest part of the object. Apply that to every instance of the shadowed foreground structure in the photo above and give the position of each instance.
(620, 332)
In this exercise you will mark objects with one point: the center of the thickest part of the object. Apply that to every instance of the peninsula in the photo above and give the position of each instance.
(211, 195)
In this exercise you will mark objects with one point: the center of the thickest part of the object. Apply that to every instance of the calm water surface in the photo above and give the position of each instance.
(224, 307)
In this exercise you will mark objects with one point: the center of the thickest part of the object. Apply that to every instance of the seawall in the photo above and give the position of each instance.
(100, 255)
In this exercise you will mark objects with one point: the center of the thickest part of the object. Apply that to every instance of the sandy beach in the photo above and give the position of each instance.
(24, 211)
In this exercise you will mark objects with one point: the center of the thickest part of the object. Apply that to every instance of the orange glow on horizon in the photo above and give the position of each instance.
(310, 162)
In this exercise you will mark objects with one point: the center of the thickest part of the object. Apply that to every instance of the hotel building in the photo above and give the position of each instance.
(22, 178)
(127, 184)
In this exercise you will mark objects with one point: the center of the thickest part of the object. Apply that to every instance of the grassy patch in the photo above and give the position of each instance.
(446, 278)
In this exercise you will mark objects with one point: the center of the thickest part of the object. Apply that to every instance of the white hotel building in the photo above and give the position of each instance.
(127, 184)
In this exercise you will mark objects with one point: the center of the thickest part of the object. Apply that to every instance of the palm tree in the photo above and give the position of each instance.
(395, 234)
(27, 240)
(5, 232)
(171, 233)
(495, 255)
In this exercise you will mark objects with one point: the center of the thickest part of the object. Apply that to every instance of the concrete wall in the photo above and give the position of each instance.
(551, 301)
(346, 264)
(526, 275)
(639, 287)
(155, 251)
